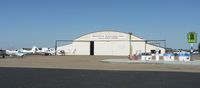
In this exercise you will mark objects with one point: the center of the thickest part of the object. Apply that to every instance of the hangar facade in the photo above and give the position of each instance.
(108, 43)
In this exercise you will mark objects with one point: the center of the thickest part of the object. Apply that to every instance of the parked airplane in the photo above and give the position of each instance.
(32, 51)
(14, 53)
(51, 51)
(45, 51)
(23, 51)
(5, 53)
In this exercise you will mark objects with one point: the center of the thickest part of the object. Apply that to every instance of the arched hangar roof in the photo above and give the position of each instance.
(108, 35)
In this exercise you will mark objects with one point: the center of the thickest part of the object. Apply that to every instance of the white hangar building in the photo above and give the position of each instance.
(108, 43)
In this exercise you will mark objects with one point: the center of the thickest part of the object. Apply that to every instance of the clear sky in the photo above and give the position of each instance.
(24, 23)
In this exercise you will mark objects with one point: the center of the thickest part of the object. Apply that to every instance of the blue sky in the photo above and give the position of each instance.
(24, 23)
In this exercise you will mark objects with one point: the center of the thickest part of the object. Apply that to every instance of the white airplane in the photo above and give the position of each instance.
(42, 50)
(32, 51)
(14, 53)
(51, 51)
(46, 51)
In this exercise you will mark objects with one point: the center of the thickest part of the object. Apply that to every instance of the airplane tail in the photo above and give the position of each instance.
(34, 49)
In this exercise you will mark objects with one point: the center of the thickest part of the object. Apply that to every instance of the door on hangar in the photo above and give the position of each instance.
(103, 48)
(91, 47)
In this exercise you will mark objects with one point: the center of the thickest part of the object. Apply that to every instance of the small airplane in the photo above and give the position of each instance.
(45, 51)
(32, 51)
(14, 53)
(5, 53)
(22, 52)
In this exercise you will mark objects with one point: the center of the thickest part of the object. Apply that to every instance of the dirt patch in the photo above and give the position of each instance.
(91, 63)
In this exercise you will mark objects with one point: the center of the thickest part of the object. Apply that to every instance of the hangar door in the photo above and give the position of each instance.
(91, 47)
(103, 48)
(111, 48)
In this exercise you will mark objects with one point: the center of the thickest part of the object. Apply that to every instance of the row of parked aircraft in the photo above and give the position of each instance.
(23, 51)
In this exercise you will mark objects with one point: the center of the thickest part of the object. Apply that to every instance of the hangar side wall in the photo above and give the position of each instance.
(76, 48)
(152, 47)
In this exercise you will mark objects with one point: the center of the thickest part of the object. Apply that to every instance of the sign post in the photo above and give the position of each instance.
(192, 38)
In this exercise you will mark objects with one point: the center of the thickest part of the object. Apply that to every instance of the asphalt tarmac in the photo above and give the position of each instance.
(68, 78)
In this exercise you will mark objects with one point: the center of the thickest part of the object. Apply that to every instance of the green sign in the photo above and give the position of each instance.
(192, 37)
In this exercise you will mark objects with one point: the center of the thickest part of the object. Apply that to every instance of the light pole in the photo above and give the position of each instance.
(130, 47)
(145, 46)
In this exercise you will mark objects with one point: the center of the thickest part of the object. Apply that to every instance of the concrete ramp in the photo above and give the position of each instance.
(196, 62)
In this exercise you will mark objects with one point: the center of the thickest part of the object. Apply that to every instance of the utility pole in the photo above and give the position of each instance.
(130, 46)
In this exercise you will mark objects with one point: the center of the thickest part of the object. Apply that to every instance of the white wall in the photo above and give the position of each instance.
(103, 48)
(82, 48)
(76, 48)
(151, 47)
(121, 48)
(138, 47)
(111, 48)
